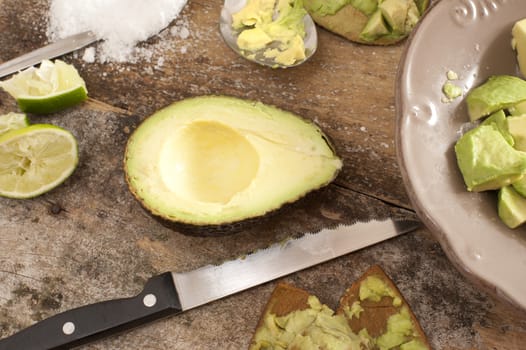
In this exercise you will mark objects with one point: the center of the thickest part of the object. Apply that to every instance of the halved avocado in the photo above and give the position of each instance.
(368, 21)
(206, 164)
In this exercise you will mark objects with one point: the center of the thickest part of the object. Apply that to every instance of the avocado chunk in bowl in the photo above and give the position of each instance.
(453, 36)
(207, 164)
(492, 156)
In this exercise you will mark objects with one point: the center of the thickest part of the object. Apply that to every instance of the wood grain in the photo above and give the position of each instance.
(89, 240)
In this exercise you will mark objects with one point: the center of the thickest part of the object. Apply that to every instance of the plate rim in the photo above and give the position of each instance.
(462, 264)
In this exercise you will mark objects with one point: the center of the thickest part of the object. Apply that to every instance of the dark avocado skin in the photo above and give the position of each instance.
(227, 229)
(213, 230)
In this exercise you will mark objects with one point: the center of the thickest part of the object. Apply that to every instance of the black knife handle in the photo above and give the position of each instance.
(85, 324)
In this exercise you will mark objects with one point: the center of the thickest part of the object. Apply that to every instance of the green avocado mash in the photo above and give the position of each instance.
(279, 37)
(316, 327)
(451, 90)
(400, 331)
(374, 289)
(354, 310)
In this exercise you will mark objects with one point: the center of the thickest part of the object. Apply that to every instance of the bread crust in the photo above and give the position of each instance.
(286, 298)
(375, 315)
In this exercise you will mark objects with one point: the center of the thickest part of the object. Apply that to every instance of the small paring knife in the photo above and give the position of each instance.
(55, 49)
(172, 292)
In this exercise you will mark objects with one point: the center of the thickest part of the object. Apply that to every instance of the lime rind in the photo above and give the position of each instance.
(52, 87)
(35, 160)
(53, 103)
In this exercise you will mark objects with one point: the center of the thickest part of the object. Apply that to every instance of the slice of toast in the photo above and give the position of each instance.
(375, 314)
(287, 299)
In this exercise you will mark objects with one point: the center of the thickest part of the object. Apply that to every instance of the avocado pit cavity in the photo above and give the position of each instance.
(208, 161)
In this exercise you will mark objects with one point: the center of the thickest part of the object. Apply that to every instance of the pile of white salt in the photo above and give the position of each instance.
(121, 24)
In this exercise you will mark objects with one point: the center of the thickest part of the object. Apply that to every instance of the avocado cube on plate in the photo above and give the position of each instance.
(498, 92)
(487, 161)
(500, 120)
(518, 109)
(511, 207)
(520, 186)
(517, 129)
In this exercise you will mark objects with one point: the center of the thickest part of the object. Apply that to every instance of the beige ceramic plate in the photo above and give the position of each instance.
(471, 38)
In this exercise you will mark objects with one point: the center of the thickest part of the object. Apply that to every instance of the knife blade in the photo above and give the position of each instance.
(55, 49)
(174, 292)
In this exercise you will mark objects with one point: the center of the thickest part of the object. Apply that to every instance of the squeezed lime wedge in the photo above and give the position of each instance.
(52, 87)
(35, 159)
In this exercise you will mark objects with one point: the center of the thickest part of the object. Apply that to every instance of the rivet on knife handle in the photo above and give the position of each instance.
(55, 49)
(88, 323)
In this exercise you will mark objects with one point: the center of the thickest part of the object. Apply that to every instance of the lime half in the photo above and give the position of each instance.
(12, 121)
(52, 87)
(35, 159)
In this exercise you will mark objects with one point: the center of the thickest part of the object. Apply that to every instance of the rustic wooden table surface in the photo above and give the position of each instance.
(89, 240)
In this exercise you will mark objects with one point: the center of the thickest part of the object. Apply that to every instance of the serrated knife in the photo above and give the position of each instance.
(55, 49)
(174, 292)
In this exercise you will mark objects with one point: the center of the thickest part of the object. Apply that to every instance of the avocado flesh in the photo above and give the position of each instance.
(517, 129)
(324, 8)
(316, 327)
(496, 93)
(218, 160)
(519, 44)
(518, 109)
(368, 7)
(368, 21)
(273, 29)
(511, 207)
(399, 331)
(395, 14)
(422, 6)
(375, 27)
(500, 121)
(520, 186)
(487, 161)
(254, 12)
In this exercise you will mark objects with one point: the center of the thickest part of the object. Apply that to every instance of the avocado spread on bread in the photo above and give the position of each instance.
(372, 315)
